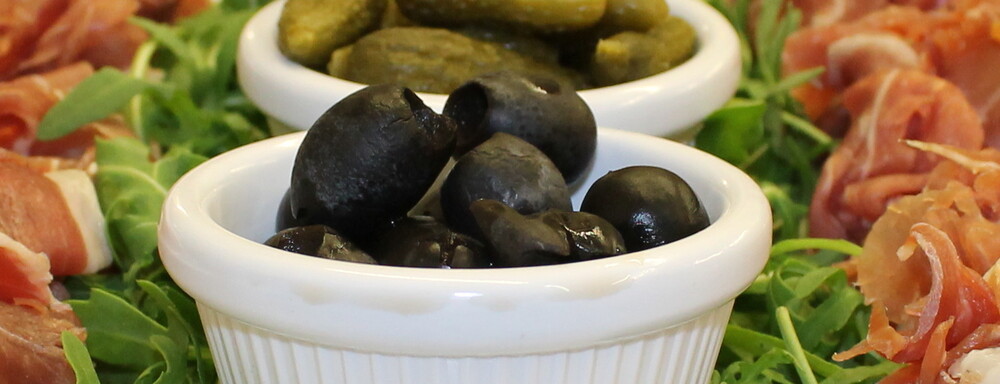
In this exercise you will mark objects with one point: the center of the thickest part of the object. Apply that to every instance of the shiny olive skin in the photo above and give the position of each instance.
(507, 169)
(650, 206)
(423, 242)
(590, 236)
(517, 240)
(368, 160)
(550, 237)
(285, 218)
(548, 114)
(319, 241)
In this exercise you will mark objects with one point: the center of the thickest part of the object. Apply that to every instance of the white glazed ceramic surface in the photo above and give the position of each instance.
(667, 104)
(643, 316)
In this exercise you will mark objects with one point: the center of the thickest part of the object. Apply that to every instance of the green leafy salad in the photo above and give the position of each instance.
(181, 98)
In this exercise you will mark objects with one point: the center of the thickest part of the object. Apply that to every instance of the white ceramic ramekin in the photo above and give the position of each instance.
(655, 316)
(668, 104)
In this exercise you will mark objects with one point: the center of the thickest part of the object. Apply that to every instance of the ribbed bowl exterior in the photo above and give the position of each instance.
(684, 354)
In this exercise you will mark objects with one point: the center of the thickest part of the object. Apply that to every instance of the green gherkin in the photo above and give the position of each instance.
(534, 15)
(628, 56)
(309, 30)
(437, 60)
(633, 15)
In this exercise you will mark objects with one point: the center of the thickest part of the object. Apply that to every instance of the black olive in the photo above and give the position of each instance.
(548, 114)
(285, 218)
(507, 169)
(368, 159)
(319, 241)
(650, 206)
(424, 242)
(517, 240)
(590, 236)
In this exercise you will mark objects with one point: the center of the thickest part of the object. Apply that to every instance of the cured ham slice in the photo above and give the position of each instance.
(965, 45)
(24, 275)
(827, 12)
(31, 347)
(170, 10)
(872, 167)
(42, 35)
(957, 303)
(959, 43)
(24, 102)
(922, 269)
(78, 192)
(889, 38)
(35, 212)
(86, 162)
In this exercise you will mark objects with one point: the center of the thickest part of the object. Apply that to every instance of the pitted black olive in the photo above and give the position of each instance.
(590, 236)
(285, 219)
(424, 242)
(319, 241)
(368, 159)
(650, 206)
(550, 237)
(507, 169)
(543, 112)
(517, 240)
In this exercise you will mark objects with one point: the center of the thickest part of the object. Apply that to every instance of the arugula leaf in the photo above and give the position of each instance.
(79, 359)
(207, 113)
(96, 97)
(131, 190)
(735, 132)
(117, 332)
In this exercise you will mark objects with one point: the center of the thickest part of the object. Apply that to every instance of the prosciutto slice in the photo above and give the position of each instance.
(929, 268)
(872, 167)
(170, 10)
(955, 40)
(31, 347)
(55, 214)
(24, 102)
(889, 38)
(957, 303)
(828, 12)
(965, 46)
(24, 275)
(43, 35)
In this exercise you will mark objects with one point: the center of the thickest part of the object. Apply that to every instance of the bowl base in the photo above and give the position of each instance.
(246, 354)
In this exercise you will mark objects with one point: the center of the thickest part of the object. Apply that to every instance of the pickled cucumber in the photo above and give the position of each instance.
(535, 15)
(393, 17)
(524, 44)
(633, 15)
(434, 60)
(310, 30)
(628, 56)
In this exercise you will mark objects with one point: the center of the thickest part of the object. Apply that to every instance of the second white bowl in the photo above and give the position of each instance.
(668, 104)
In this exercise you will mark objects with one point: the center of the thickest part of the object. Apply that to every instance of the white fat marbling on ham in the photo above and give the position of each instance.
(856, 56)
(977, 367)
(81, 198)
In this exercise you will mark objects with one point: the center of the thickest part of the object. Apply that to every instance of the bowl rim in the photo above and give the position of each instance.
(186, 223)
(677, 99)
